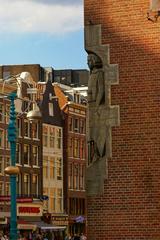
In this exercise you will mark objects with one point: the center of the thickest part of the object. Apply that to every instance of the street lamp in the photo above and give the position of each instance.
(13, 170)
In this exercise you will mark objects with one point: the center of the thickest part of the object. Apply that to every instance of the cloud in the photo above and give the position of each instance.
(40, 16)
(61, 2)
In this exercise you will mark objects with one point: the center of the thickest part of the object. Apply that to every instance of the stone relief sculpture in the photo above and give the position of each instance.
(102, 116)
(96, 99)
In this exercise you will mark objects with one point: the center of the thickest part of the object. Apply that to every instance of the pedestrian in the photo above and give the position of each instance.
(83, 237)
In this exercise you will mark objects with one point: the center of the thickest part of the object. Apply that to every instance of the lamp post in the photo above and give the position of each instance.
(13, 170)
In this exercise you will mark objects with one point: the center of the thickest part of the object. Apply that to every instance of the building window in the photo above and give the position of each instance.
(83, 150)
(35, 130)
(19, 127)
(52, 168)
(76, 148)
(1, 112)
(51, 110)
(45, 167)
(52, 199)
(76, 125)
(82, 126)
(18, 180)
(82, 187)
(1, 138)
(52, 137)
(7, 113)
(59, 200)
(18, 153)
(75, 182)
(26, 128)
(35, 156)
(59, 138)
(1, 188)
(45, 136)
(59, 168)
(35, 184)
(1, 165)
(70, 178)
(26, 154)
(7, 189)
(7, 142)
(70, 147)
(7, 161)
(26, 186)
(70, 122)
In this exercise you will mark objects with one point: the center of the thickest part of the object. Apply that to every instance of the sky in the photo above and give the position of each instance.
(45, 32)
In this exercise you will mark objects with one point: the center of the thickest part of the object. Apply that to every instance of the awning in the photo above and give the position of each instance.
(46, 226)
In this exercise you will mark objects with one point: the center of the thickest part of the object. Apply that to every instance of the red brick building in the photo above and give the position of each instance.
(74, 158)
(128, 205)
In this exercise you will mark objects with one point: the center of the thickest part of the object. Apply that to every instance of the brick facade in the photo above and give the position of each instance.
(129, 206)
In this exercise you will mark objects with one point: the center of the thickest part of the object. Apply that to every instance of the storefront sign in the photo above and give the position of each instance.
(29, 209)
(60, 220)
(19, 200)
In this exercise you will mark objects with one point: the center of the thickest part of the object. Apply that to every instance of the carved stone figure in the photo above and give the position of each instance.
(96, 89)
(96, 100)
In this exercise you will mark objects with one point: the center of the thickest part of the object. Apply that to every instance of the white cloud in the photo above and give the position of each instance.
(22, 16)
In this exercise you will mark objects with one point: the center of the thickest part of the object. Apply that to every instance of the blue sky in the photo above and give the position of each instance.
(48, 32)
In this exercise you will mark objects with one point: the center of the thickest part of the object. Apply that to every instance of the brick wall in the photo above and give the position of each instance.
(130, 205)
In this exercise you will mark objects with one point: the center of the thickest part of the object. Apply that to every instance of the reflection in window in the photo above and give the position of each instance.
(35, 155)
(26, 154)
(26, 188)
(35, 184)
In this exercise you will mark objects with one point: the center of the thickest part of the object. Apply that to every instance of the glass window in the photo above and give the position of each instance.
(7, 189)
(76, 148)
(26, 187)
(7, 161)
(76, 177)
(1, 165)
(59, 138)
(59, 168)
(52, 199)
(45, 167)
(35, 184)
(82, 126)
(52, 137)
(19, 127)
(1, 112)
(7, 113)
(7, 142)
(83, 150)
(26, 128)
(70, 121)
(52, 168)
(70, 147)
(59, 200)
(76, 125)
(26, 154)
(18, 180)
(35, 155)
(1, 138)
(35, 130)
(70, 176)
(18, 153)
(82, 169)
(51, 110)
(1, 188)
(45, 136)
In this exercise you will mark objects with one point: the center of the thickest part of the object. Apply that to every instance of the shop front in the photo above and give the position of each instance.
(28, 214)
(77, 225)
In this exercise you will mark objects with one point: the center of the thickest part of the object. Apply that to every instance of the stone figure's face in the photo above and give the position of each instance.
(90, 61)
